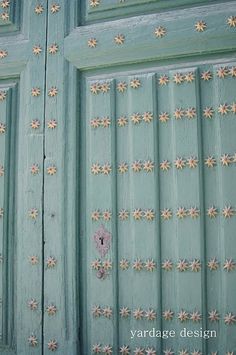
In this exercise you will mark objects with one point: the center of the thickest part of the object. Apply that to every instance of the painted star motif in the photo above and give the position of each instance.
(190, 112)
(231, 21)
(95, 122)
(228, 211)
(195, 316)
(122, 121)
(107, 349)
(107, 264)
(125, 350)
(137, 265)
(179, 113)
(183, 352)
(166, 214)
(139, 351)
(5, 16)
(97, 349)
(107, 215)
(135, 83)
(95, 215)
(225, 160)
(213, 316)
(39, 9)
(150, 351)
(168, 352)
(168, 314)
(229, 318)
(137, 166)
(2, 128)
(51, 170)
(1, 170)
(34, 169)
(5, 4)
(193, 212)
(33, 213)
(163, 80)
(123, 214)
(95, 169)
(150, 265)
(210, 161)
(182, 265)
(167, 265)
(53, 48)
(95, 88)
(106, 169)
(3, 54)
(183, 316)
(137, 214)
(3, 95)
(92, 42)
(107, 312)
(121, 86)
(96, 264)
(148, 166)
(189, 77)
(124, 312)
(35, 124)
(136, 118)
(160, 32)
(119, 39)
(223, 109)
(33, 304)
(51, 310)
(96, 311)
(165, 165)
(55, 8)
(150, 314)
(149, 214)
(52, 345)
(147, 117)
(51, 262)
(52, 124)
(37, 50)
(34, 260)
(229, 265)
(124, 264)
(105, 87)
(94, 3)
(35, 92)
(208, 112)
(179, 163)
(232, 71)
(196, 352)
(53, 91)
(123, 168)
(192, 162)
(213, 264)
(181, 212)
(206, 75)
(138, 313)
(178, 78)
(200, 26)
(33, 341)
(222, 72)
(233, 108)
(105, 122)
(164, 117)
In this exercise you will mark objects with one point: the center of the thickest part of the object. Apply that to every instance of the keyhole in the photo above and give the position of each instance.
(101, 240)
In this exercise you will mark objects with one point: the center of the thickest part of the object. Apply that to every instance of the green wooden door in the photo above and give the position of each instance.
(117, 177)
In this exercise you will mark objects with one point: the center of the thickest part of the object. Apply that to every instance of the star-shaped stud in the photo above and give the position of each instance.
(168, 314)
(137, 265)
(53, 91)
(223, 109)
(208, 112)
(225, 160)
(122, 121)
(1, 212)
(3, 54)
(183, 352)
(105, 122)
(95, 215)
(1, 170)
(95, 88)
(139, 351)
(106, 169)
(233, 107)
(179, 163)
(166, 214)
(123, 168)
(2, 128)
(34, 169)
(39, 9)
(228, 211)
(182, 265)
(119, 39)
(213, 264)
(37, 50)
(96, 311)
(95, 122)
(52, 345)
(231, 21)
(148, 166)
(51, 310)
(137, 214)
(193, 212)
(160, 31)
(229, 265)
(53, 48)
(124, 350)
(135, 83)
(107, 312)
(200, 26)
(107, 349)
(192, 162)
(96, 348)
(213, 316)
(196, 352)
(164, 117)
(181, 212)
(149, 214)
(5, 4)
(189, 77)
(105, 87)
(35, 124)
(137, 166)
(121, 86)
(206, 75)
(33, 304)
(232, 72)
(3, 95)
(94, 3)
(124, 312)
(35, 92)
(92, 42)
(150, 265)
(33, 213)
(163, 80)
(51, 262)
(123, 214)
(107, 215)
(33, 341)
(190, 112)
(222, 72)
(52, 124)
(51, 170)
(229, 318)
(150, 314)
(195, 265)
(136, 118)
(147, 117)
(55, 8)
(195, 316)
(107, 264)
(168, 352)
(96, 264)
(150, 351)
(210, 161)
(178, 78)
(124, 264)
(165, 165)
(167, 265)
(183, 316)
(178, 113)
(5, 16)
(33, 259)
